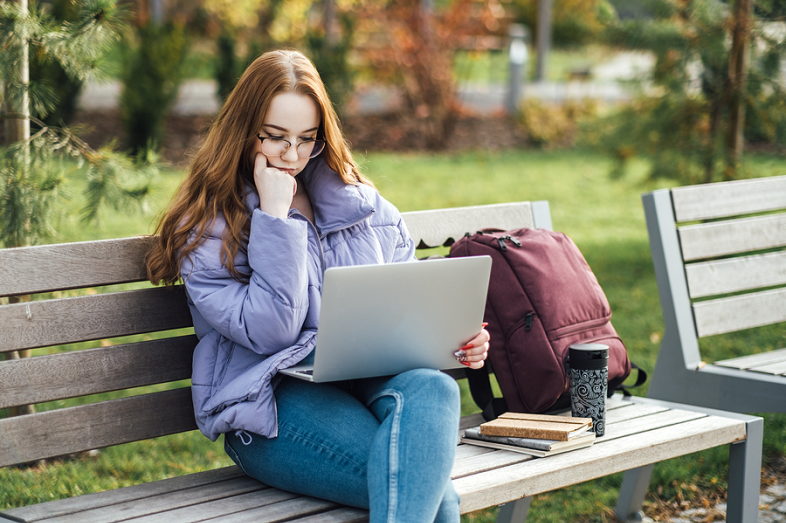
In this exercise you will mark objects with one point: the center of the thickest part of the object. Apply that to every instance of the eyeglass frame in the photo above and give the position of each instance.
(316, 142)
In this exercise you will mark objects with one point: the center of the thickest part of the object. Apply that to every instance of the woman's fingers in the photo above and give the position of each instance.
(475, 352)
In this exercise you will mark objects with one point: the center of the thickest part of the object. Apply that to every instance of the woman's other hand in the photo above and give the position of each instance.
(276, 188)
(475, 352)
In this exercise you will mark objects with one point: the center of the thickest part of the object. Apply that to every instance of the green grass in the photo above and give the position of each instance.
(605, 219)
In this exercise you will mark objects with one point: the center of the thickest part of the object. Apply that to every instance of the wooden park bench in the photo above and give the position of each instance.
(719, 252)
(639, 432)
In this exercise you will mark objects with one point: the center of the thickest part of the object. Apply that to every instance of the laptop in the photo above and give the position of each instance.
(380, 320)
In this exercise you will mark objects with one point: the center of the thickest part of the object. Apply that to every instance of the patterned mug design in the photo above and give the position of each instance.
(588, 396)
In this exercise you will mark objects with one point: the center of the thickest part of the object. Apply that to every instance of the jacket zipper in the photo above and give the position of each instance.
(585, 325)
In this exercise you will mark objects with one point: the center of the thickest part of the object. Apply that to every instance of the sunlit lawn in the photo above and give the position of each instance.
(605, 219)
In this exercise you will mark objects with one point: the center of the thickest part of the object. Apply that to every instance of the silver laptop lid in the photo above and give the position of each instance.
(378, 320)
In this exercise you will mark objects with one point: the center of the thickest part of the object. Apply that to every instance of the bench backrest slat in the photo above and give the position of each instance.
(732, 237)
(84, 318)
(95, 425)
(434, 228)
(47, 268)
(93, 371)
(736, 274)
(719, 200)
(740, 312)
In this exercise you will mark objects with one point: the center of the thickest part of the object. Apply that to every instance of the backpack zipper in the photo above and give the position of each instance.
(527, 322)
(501, 241)
(578, 327)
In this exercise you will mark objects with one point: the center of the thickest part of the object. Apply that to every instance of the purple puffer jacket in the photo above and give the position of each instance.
(247, 332)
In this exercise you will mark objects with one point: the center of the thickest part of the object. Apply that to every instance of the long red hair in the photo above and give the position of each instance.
(223, 167)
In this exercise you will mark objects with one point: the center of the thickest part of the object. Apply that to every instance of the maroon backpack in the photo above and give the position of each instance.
(542, 298)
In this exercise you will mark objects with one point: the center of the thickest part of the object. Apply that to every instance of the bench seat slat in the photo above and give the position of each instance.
(616, 415)
(754, 360)
(719, 200)
(220, 507)
(740, 312)
(483, 462)
(736, 274)
(708, 240)
(79, 373)
(433, 228)
(469, 451)
(84, 318)
(542, 475)
(776, 369)
(163, 503)
(47, 268)
(76, 429)
(340, 515)
(63, 507)
(284, 511)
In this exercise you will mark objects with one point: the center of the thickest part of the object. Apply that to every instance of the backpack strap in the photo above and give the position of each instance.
(615, 385)
(480, 389)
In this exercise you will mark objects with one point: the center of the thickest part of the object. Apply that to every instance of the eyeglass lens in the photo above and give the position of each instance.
(279, 147)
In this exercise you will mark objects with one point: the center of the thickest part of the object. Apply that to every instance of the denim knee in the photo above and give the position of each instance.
(433, 386)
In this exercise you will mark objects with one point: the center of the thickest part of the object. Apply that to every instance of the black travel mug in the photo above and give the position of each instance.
(589, 381)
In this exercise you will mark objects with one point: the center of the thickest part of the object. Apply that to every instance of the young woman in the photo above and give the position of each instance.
(272, 199)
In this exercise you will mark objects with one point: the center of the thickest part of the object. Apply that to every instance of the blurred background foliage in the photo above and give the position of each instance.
(153, 56)
(575, 23)
(679, 116)
(682, 117)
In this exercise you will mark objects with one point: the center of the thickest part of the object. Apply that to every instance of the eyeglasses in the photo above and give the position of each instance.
(274, 146)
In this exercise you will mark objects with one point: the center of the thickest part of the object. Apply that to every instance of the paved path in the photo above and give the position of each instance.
(198, 97)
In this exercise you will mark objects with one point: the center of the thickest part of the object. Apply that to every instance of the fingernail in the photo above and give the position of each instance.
(465, 363)
(467, 346)
(484, 324)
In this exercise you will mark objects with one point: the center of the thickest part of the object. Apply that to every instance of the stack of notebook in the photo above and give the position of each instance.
(535, 434)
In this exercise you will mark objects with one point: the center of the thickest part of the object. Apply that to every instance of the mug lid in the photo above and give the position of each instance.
(589, 351)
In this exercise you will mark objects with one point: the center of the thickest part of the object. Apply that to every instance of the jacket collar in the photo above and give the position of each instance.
(336, 204)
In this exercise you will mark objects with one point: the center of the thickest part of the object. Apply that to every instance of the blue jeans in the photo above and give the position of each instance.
(386, 444)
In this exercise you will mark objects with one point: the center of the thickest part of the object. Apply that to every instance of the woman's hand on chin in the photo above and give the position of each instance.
(276, 188)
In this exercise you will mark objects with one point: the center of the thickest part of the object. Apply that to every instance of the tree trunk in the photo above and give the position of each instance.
(738, 73)
(544, 38)
(17, 130)
(331, 27)
(157, 11)
(709, 159)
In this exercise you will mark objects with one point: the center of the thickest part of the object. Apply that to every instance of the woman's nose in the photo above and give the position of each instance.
(290, 155)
